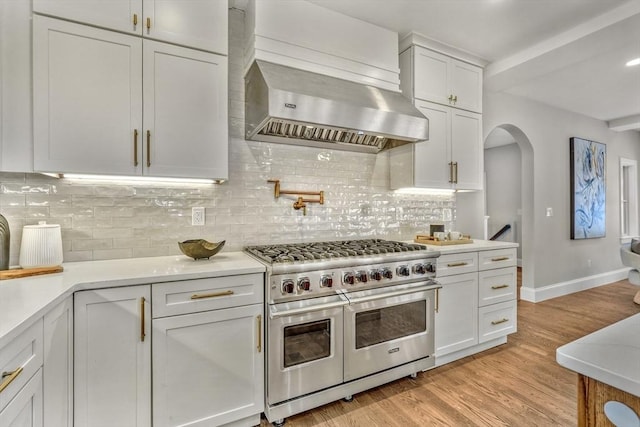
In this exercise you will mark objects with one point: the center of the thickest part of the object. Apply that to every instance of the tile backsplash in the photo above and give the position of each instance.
(126, 219)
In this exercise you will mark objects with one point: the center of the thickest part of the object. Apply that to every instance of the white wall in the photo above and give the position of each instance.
(502, 167)
(558, 259)
(124, 220)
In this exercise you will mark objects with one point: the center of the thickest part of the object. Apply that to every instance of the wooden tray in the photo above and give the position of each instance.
(429, 240)
(25, 272)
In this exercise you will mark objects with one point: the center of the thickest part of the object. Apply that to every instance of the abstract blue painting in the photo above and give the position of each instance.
(588, 188)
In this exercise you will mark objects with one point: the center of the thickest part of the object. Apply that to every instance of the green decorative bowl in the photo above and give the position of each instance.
(200, 248)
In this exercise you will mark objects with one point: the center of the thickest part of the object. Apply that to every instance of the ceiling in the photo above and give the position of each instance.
(570, 54)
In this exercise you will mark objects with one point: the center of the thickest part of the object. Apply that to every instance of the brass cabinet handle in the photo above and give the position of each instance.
(450, 99)
(502, 258)
(211, 295)
(135, 147)
(437, 307)
(142, 333)
(148, 148)
(8, 377)
(451, 172)
(135, 19)
(455, 99)
(499, 286)
(148, 23)
(497, 322)
(456, 264)
(455, 175)
(259, 320)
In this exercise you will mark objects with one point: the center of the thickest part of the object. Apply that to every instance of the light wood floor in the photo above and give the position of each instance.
(516, 384)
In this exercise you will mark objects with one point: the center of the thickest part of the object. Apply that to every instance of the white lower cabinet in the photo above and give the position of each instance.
(477, 305)
(58, 365)
(456, 322)
(112, 357)
(207, 367)
(25, 410)
(203, 367)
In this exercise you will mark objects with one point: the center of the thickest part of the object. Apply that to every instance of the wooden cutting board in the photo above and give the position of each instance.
(26, 272)
(428, 240)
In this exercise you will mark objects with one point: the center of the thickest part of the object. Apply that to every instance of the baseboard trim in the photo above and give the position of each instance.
(571, 286)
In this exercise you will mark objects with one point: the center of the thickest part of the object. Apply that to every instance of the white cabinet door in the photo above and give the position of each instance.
(118, 15)
(447, 81)
(16, 125)
(432, 157)
(466, 85)
(112, 357)
(185, 112)
(432, 77)
(87, 98)
(454, 152)
(456, 322)
(467, 149)
(58, 365)
(208, 367)
(202, 24)
(25, 410)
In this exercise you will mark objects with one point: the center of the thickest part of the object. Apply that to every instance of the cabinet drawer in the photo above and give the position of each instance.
(22, 356)
(497, 285)
(190, 296)
(497, 258)
(497, 320)
(457, 264)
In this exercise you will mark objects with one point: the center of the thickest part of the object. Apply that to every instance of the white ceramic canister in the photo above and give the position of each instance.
(41, 245)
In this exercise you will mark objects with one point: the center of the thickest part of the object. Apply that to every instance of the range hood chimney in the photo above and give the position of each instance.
(292, 106)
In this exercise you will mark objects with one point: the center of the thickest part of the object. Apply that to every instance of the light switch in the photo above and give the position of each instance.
(549, 211)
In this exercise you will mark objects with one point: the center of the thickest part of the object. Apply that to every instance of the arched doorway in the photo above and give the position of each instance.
(503, 136)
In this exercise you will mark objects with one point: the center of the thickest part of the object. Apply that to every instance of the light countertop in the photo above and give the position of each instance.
(24, 300)
(610, 355)
(477, 245)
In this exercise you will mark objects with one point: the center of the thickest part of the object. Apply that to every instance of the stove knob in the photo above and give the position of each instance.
(386, 273)
(375, 274)
(304, 284)
(287, 286)
(419, 269)
(361, 276)
(403, 270)
(349, 279)
(326, 281)
(431, 267)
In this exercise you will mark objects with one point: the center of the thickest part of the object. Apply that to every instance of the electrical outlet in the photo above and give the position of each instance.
(197, 216)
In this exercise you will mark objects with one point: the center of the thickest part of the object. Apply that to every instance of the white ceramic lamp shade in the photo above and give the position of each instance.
(41, 246)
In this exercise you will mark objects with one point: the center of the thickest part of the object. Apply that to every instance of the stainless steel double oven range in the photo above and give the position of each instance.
(343, 317)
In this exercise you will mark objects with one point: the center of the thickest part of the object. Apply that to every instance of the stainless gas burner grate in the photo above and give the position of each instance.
(296, 252)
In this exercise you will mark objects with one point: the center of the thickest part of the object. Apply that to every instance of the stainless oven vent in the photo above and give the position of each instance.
(292, 106)
(288, 129)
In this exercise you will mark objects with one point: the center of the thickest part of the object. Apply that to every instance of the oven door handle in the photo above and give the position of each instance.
(275, 313)
(407, 291)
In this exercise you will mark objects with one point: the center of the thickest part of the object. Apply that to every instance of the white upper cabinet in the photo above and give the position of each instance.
(89, 88)
(445, 80)
(16, 124)
(452, 158)
(120, 15)
(87, 98)
(200, 24)
(449, 93)
(185, 112)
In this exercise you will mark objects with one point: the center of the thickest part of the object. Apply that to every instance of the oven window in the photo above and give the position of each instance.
(307, 342)
(389, 323)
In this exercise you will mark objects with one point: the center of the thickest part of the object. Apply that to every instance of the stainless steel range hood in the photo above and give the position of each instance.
(292, 106)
